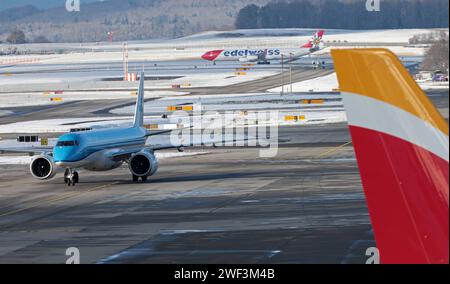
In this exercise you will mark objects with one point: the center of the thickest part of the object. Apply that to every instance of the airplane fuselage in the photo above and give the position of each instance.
(253, 55)
(92, 149)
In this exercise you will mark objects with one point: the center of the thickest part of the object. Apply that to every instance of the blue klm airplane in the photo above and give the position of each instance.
(99, 150)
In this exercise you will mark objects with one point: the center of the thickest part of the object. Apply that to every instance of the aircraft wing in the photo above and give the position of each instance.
(293, 58)
(121, 155)
(402, 147)
(296, 56)
(27, 150)
(159, 132)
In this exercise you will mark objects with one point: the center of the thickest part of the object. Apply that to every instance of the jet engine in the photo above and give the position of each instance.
(250, 58)
(143, 164)
(42, 167)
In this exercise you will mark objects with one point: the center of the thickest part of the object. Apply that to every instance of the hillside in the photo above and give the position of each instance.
(40, 4)
(348, 14)
(127, 19)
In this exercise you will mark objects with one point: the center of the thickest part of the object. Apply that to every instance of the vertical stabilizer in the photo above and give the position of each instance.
(139, 112)
(315, 41)
(402, 147)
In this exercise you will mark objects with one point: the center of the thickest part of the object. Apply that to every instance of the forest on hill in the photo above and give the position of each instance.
(350, 14)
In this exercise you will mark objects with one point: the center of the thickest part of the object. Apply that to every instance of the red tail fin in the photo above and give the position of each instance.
(402, 146)
(315, 41)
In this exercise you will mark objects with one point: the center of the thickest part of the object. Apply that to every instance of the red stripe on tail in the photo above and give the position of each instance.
(407, 194)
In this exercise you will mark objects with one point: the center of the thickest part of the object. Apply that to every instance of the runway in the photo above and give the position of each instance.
(227, 205)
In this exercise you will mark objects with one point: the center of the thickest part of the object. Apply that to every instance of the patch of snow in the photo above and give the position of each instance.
(326, 83)
(15, 160)
(36, 99)
(194, 46)
(5, 113)
(434, 85)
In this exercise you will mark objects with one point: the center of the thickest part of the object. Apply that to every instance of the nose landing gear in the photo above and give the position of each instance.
(136, 178)
(71, 178)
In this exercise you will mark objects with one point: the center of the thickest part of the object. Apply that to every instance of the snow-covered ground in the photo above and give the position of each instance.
(14, 88)
(233, 102)
(62, 125)
(233, 119)
(15, 160)
(5, 113)
(330, 83)
(21, 89)
(193, 47)
(387, 36)
(85, 70)
(221, 79)
(434, 85)
(398, 50)
(36, 99)
(326, 83)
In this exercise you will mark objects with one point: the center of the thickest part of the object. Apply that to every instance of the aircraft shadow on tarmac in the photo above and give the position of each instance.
(205, 177)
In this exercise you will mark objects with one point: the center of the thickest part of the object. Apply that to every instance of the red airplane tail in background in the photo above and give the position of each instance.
(315, 41)
(402, 147)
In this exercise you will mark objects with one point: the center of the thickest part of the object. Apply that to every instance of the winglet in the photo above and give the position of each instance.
(139, 111)
(402, 147)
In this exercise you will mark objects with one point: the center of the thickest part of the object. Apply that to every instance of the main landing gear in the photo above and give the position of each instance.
(71, 177)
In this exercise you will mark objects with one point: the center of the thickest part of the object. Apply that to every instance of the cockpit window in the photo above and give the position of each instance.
(67, 143)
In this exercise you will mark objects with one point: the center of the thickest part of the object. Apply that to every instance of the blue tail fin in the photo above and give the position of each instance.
(139, 112)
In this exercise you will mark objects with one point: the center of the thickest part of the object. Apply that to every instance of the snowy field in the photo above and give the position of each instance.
(62, 125)
(37, 99)
(434, 85)
(194, 46)
(321, 84)
(229, 119)
(5, 113)
(351, 36)
(85, 67)
(233, 102)
(33, 80)
(330, 83)
(85, 71)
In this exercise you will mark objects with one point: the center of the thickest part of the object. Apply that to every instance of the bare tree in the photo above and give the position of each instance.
(436, 58)
(16, 37)
(41, 39)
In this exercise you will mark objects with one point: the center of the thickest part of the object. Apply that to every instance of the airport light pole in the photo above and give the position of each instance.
(290, 71)
(125, 61)
(282, 74)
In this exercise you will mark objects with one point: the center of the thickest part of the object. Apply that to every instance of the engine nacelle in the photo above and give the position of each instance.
(250, 58)
(143, 164)
(43, 167)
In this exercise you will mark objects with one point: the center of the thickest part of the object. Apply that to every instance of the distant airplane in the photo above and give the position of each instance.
(99, 150)
(402, 147)
(264, 56)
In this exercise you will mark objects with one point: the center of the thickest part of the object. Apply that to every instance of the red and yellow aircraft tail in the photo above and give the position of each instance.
(402, 147)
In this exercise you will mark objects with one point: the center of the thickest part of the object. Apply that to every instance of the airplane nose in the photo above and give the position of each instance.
(207, 56)
(62, 155)
(211, 55)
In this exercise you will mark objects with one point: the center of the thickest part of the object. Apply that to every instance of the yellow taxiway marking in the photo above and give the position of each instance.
(334, 150)
(59, 198)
